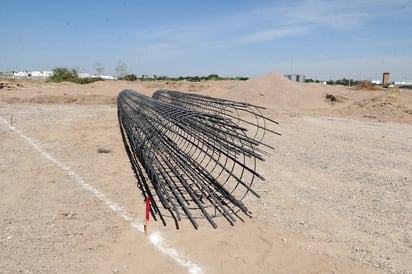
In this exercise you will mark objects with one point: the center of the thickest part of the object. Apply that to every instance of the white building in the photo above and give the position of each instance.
(32, 75)
(108, 77)
(20, 74)
(84, 75)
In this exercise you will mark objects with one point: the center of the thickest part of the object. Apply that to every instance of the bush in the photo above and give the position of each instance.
(242, 78)
(70, 75)
(64, 74)
(129, 77)
(89, 80)
(213, 77)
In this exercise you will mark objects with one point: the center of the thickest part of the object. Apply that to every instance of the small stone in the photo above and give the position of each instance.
(283, 239)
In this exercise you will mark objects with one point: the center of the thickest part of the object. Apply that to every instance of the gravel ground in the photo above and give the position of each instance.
(343, 185)
(346, 181)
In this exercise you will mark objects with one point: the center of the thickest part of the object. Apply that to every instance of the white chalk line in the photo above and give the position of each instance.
(155, 238)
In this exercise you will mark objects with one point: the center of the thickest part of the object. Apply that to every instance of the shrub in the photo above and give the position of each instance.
(89, 80)
(129, 77)
(61, 74)
(213, 77)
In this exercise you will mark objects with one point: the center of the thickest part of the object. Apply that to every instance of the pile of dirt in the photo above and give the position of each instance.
(388, 105)
(368, 85)
(275, 90)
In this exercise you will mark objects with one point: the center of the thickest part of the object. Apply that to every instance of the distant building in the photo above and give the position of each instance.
(88, 75)
(44, 75)
(108, 77)
(31, 75)
(403, 84)
(41, 75)
(21, 74)
(300, 78)
(6, 75)
(84, 75)
(385, 80)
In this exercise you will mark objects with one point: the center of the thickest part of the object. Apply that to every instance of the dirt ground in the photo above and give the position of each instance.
(337, 199)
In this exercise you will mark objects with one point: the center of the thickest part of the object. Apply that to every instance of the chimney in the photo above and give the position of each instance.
(385, 80)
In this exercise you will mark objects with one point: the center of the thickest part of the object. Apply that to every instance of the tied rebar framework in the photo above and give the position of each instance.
(192, 156)
(243, 114)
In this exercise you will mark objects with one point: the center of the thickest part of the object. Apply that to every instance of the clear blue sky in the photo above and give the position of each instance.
(322, 39)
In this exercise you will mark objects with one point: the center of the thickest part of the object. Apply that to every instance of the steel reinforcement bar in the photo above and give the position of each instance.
(243, 114)
(196, 164)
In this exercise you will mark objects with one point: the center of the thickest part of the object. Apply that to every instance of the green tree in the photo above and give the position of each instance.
(129, 77)
(61, 74)
(213, 77)
(345, 82)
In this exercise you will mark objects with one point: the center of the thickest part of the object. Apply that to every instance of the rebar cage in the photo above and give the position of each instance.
(192, 153)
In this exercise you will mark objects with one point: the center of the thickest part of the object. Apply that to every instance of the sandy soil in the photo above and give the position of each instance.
(337, 199)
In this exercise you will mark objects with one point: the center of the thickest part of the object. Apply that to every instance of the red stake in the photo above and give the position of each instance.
(146, 227)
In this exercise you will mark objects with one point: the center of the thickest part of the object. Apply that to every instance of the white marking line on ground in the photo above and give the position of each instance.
(155, 238)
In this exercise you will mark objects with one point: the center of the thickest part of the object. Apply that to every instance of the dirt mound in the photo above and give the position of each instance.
(368, 85)
(275, 90)
(386, 105)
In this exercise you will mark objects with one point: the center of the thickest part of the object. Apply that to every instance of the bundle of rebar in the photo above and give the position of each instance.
(196, 163)
(243, 114)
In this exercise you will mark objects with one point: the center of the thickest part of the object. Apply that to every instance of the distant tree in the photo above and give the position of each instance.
(242, 78)
(99, 68)
(121, 69)
(345, 82)
(129, 77)
(61, 74)
(194, 79)
(212, 77)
